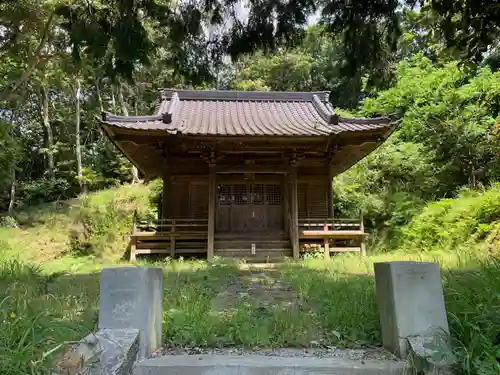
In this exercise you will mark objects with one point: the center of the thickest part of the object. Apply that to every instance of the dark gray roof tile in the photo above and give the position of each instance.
(238, 113)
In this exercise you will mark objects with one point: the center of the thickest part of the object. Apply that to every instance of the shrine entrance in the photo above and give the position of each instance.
(249, 207)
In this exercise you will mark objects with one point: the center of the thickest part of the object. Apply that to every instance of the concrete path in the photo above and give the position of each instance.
(263, 365)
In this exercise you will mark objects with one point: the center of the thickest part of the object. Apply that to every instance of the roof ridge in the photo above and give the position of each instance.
(325, 112)
(367, 120)
(106, 116)
(232, 95)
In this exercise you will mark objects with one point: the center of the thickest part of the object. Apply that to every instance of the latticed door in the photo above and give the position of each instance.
(249, 207)
(257, 208)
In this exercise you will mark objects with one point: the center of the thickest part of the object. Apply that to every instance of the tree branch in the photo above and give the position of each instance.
(7, 94)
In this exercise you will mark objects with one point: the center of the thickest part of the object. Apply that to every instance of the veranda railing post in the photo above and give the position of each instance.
(363, 238)
(133, 239)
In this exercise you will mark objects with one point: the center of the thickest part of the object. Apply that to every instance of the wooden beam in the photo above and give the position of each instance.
(295, 213)
(327, 249)
(276, 169)
(211, 211)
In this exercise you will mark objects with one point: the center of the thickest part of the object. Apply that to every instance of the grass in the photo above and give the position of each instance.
(51, 296)
(90, 228)
(192, 318)
(38, 313)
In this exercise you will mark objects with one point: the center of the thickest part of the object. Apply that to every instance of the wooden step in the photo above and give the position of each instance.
(247, 245)
(238, 253)
(249, 236)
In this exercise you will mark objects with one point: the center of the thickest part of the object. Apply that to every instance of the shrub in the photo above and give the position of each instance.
(105, 217)
(449, 223)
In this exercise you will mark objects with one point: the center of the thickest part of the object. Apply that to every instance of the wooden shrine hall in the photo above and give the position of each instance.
(245, 174)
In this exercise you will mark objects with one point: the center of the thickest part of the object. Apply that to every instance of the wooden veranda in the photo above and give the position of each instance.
(245, 174)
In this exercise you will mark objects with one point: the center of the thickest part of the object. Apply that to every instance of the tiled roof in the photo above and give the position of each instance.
(245, 113)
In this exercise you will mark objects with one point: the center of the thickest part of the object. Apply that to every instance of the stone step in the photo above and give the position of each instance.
(266, 365)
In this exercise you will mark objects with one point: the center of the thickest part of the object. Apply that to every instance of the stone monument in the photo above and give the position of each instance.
(411, 304)
(132, 298)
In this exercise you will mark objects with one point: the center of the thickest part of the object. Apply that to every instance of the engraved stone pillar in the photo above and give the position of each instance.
(132, 298)
(411, 304)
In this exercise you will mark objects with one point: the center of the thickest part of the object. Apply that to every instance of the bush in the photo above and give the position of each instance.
(105, 217)
(449, 223)
(45, 190)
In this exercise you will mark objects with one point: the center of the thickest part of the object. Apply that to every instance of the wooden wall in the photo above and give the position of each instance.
(187, 197)
(186, 189)
(313, 197)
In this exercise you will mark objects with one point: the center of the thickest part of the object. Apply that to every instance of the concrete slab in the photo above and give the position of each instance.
(263, 365)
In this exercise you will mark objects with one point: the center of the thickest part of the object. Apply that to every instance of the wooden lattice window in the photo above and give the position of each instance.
(224, 195)
(273, 195)
(258, 194)
(240, 195)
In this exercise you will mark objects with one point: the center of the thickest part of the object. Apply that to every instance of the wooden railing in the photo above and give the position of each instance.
(346, 235)
(172, 225)
(164, 235)
(331, 224)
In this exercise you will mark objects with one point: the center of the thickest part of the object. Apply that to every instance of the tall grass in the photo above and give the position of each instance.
(192, 318)
(38, 313)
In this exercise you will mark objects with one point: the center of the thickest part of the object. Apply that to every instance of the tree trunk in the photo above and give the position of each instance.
(99, 96)
(135, 172)
(78, 148)
(49, 138)
(113, 100)
(10, 211)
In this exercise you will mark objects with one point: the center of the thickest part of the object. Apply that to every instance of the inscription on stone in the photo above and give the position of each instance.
(131, 297)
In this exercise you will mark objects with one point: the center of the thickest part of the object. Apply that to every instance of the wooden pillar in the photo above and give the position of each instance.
(211, 211)
(295, 213)
(329, 191)
(286, 205)
(363, 239)
(172, 239)
(327, 248)
(133, 238)
(166, 186)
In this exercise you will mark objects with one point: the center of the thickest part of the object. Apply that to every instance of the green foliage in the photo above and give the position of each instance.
(447, 138)
(38, 313)
(472, 302)
(104, 218)
(45, 190)
(452, 115)
(450, 223)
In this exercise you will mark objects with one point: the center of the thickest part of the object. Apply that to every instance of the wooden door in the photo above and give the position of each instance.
(257, 208)
(274, 207)
(240, 208)
(252, 207)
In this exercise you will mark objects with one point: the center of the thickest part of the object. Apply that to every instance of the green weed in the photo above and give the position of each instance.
(39, 312)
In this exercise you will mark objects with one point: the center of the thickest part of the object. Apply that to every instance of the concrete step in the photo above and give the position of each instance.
(266, 365)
